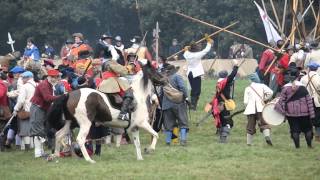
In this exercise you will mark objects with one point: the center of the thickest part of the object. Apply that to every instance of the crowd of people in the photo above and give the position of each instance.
(28, 90)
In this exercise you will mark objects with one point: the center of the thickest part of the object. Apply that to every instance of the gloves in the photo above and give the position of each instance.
(235, 62)
(188, 102)
(186, 48)
(14, 113)
(208, 39)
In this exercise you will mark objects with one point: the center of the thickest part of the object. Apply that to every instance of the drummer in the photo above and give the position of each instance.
(297, 105)
(255, 96)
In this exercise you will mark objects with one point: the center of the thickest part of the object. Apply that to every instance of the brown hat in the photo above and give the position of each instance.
(79, 35)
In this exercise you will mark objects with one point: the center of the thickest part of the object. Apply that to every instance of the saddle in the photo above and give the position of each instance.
(115, 100)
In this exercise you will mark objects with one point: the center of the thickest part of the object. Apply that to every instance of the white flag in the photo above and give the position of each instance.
(272, 34)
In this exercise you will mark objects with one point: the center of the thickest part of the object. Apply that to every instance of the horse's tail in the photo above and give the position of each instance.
(57, 110)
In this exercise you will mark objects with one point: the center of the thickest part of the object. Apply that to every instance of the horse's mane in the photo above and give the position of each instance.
(151, 73)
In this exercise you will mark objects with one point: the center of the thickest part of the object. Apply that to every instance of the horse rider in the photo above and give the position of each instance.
(139, 49)
(78, 46)
(120, 50)
(104, 49)
(113, 84)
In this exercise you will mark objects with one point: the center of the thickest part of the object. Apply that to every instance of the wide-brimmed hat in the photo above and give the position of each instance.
(135, 39)
(79, 35)
(106, 36)
(169, 69)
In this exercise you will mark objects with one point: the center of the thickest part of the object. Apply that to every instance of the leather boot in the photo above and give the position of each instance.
(126, 105)
(309, 136)
(249, 139)
(296, 139)
(98, 149)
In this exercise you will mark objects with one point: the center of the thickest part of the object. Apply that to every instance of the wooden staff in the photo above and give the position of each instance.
(223, 29)
(276, 15)
(313, 11)
(236, 34)
(284, 15)
(286, 41)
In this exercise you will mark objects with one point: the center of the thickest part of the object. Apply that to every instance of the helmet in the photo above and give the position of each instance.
(117, 38)
(106, 36)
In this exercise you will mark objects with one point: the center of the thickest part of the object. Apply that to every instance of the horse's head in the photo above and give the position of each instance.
(151, 73)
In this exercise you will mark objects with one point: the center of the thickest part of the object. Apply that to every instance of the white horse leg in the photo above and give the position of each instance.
(59, 136)
(146, 126)
(85, 125)
(136, 140)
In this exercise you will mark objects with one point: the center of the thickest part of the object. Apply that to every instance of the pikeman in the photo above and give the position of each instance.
(193, 56)
(266, 59)
(120, 50)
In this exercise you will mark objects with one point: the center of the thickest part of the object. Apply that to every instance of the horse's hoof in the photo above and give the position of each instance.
(140, 159)
(148, 150)
(91, 161)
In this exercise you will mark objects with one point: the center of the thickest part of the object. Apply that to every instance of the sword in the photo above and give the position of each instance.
(10, 41)
(204, 118)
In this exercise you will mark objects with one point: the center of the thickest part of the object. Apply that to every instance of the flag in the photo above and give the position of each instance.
(272, 34)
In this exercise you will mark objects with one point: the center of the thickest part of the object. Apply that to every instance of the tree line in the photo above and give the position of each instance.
(53, 21)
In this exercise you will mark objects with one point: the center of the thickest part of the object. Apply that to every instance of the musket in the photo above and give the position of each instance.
(199, 41)
(10, 41)
(6, 126)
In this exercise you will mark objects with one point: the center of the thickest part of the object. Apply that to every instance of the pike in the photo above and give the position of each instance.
(230, 32)
(300, 18)
(10, 41)
(222, 29)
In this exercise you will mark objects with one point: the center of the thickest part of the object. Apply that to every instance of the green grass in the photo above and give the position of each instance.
(203, 158)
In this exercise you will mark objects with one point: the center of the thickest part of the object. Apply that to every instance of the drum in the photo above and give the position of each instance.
(270, 115)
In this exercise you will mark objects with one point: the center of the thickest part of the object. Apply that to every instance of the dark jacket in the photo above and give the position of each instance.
(230, 79)
(102, 51)
(295, 104)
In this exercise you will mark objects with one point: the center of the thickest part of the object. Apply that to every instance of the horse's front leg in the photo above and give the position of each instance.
(136, 140)
(59, 136)
(146, 126)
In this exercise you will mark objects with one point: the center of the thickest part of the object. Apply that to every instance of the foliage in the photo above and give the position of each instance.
(54, 21)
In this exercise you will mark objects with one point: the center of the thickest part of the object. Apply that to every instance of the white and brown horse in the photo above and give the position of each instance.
(87, 105)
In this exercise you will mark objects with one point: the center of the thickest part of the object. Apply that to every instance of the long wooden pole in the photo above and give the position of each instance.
(313, 11)
(285, 42)
(284, 15)
(275, 14)
(223, 29)
(236, 34)
(316, 27)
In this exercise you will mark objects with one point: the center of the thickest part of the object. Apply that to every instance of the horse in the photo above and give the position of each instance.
(85, 106)
(6, 60)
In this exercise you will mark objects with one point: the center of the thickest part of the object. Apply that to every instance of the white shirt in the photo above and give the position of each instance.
(316, 82)
(25, 94)
(314, 56)
(194, 61)
(114, 54)
(253, 100)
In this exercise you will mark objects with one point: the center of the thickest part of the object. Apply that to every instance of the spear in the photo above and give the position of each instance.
(223, 29)
(233, 33)
(10, 41)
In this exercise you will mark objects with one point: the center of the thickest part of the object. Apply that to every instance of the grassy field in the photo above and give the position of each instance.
(203, 158)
